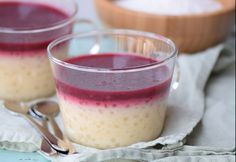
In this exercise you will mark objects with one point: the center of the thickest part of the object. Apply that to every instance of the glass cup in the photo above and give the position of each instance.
(113, 85)
(26, 29)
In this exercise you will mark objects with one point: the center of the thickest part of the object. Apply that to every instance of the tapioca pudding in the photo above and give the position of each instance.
(113, 109)
(25, 72)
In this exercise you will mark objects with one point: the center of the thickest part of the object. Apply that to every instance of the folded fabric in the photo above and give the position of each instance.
(180, 154)
(185, 111)
(217, 128)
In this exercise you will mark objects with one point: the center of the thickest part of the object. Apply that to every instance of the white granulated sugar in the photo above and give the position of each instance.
(171, 7)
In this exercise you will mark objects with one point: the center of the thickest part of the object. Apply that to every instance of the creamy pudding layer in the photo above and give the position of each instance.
(25, 77)
(112, 125)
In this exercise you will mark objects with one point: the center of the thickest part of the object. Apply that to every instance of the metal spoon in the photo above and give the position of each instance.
(49, 110)
(45, 147)
(55, 143)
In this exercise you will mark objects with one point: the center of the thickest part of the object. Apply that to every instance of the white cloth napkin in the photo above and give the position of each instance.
(185, 111)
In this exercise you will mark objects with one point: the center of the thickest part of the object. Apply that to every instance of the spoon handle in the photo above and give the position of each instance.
(60, 135)
(45, 147)
(56, 128)
(56, 144)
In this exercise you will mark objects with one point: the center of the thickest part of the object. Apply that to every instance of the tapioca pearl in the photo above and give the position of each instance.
(87, 110)
(79, 114)
(146, 115)
(147, 101)
(6, 73)
(110, 145)
(135, 116)
(70, 125)
(23, 68)
(98, 103)
(116, 144)
(98, 126)
(83, 128)
(75, 117)
(113, 140)
(145, 127)
(95, 144)
(111, 112)
(127, 105)
(131, 136)
(125, 119)
(100, 111)
(29, 73)
(37, 87)
(70, 120)
(64, 114)
(108, 132)
(82, 137)
(101, 123)
(153, 104)
(17, 91)
(14, 84)
(115, 126)
(88, 137)
(135, 124)
(93, 139)
(79, 129)
(87, 117)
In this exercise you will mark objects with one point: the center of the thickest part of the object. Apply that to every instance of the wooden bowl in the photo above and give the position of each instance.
(191, 33)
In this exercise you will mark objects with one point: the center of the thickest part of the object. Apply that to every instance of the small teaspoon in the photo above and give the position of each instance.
(55, 143)
(48, 110)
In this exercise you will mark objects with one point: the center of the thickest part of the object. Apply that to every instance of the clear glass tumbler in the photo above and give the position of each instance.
(113, 85)
(26, 29)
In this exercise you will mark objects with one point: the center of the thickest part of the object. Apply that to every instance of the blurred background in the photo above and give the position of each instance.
(193, 25)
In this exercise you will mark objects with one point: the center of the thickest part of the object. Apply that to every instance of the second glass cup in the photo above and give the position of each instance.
(26, 29)
(113, 85)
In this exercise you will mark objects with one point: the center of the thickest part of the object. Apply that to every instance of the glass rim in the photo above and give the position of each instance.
(55, 26)
(127, 32)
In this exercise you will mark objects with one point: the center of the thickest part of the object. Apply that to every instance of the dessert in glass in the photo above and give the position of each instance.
(26, 29)
(113, 86)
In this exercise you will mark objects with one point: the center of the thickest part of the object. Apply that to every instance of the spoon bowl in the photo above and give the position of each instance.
(44, 109)
(16, 107)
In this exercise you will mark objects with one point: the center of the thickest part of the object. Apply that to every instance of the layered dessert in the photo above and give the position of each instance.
(111, 107)
(24, 67)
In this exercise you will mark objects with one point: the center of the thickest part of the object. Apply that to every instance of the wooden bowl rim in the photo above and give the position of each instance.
(110, 5)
